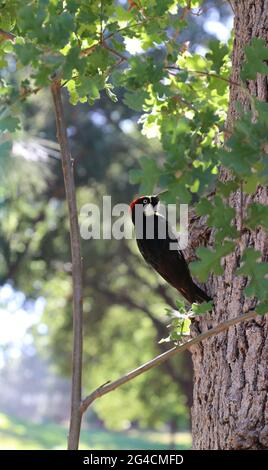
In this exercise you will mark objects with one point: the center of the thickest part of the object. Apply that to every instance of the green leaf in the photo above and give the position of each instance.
(257, 215)
(250, 183)
(256, 271)
(200, 309)
(210, 260)
(180, 323)
(89, 88)
(218, 51)
(180, 304)
(5, 150)
(262, 308)
(245, 148)
(177, 190)
(135, 176)
(135, 100)
(72, 60)
(42, 75)
(256, 54)
(220, 216)
(204, 207)
(71, 87)
(27, 53)
(148, 175)
(227, 187)
(9, 124)
(100, 59)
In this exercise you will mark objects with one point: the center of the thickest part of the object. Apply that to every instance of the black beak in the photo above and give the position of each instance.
(154, 200)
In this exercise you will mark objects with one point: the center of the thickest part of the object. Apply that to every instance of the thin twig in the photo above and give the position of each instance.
(89, 50)
(183, 101)
(101, 20)
(67, 166)
(186, 10)
(202, 72)
(129, 26)
(125, 28)
(113, 51)
(231, 5)
(158, 360)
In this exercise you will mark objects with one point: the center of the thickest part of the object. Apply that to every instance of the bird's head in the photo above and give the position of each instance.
(149, 204)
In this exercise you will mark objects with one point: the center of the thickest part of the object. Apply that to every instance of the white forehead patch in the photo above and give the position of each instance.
(149, 210)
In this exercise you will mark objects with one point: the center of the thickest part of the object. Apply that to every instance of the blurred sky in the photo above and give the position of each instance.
(16, 316)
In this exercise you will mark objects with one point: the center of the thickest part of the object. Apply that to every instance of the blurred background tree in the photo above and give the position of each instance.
(124, 301)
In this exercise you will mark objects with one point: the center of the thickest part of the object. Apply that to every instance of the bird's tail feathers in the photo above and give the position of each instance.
(199, 295)
(194, 294)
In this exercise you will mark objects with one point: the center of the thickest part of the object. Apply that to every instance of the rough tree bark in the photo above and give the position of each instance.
(230, 409)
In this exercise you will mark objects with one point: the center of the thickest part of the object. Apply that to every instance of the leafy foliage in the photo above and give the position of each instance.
(210, 260)
(179, 324)
(256, 57)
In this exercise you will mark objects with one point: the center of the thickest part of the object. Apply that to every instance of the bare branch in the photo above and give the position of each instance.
(202, 72)
(67, 166)
(158, 360)
(113, 51)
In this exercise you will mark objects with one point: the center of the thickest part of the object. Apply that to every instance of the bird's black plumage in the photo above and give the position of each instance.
(157, 252)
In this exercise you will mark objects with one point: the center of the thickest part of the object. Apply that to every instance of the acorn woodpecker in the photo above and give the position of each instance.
(155, 238)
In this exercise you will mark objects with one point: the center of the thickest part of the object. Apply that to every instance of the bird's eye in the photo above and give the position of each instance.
(145, 201)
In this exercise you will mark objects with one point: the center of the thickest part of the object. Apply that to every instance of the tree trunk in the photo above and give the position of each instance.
(230, 409)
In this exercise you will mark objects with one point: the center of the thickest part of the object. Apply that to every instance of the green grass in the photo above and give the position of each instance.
(20, 434)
